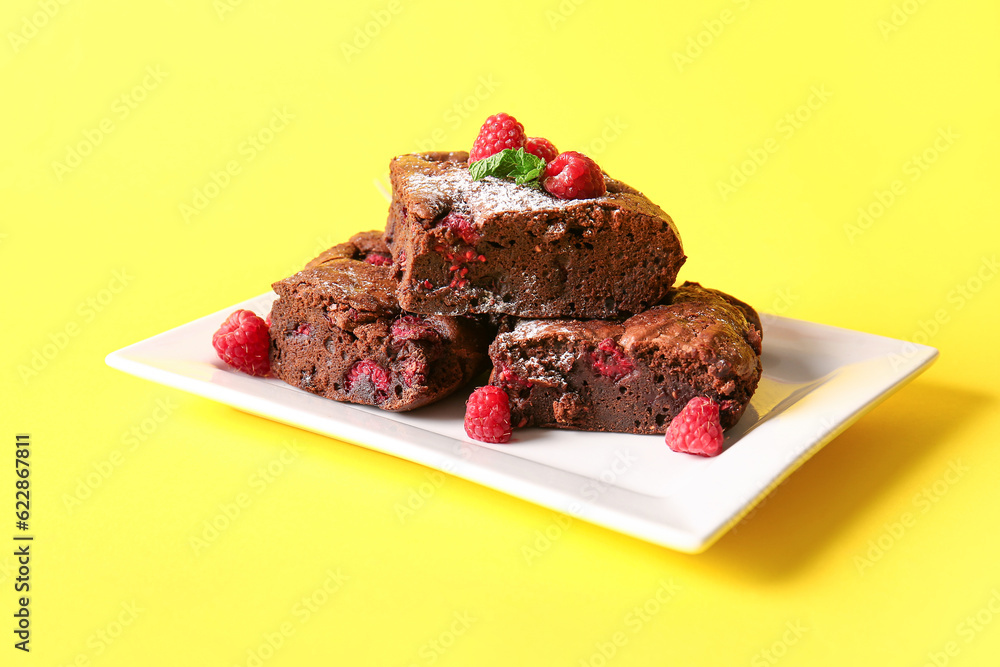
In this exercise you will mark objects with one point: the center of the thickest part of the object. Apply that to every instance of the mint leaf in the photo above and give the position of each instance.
(529, 168)
(499, 165)
(524, 168)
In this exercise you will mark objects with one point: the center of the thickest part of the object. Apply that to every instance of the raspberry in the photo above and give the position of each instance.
(487, 415)
(610, 361)
(378, 376)
(541, 147)
(414, 372)
(696, 430)
(459, 255)
(460, 226)
(378, 259)
(243, 343)
(508, 380)
(303, 329)
(573, 175)
(497, 133)
(414, 327)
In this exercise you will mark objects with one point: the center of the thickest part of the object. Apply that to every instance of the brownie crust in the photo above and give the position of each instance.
(338, 331)
(633, 376)
(491, 246)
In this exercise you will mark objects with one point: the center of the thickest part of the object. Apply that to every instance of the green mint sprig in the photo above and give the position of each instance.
(524, 168)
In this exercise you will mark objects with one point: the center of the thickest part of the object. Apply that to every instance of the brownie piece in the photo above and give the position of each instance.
(632, 376)
(337, 331)
(492, 246)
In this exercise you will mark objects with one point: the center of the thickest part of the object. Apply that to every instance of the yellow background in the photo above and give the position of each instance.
(878, 551)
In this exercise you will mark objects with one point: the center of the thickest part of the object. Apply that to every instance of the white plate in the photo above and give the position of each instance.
(817, 381)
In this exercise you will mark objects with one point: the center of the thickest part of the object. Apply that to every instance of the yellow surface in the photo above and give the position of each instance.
(161, 160)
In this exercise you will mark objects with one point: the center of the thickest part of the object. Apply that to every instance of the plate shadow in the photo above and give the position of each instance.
(791, 527)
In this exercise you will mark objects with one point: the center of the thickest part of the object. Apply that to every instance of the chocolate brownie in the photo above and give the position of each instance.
(632, 376)
(337, 331)
(492, 246)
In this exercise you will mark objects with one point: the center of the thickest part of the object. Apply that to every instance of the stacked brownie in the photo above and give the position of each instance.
(594, 334)
(492, 246)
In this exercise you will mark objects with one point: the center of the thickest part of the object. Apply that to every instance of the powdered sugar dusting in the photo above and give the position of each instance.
(563, 329)
(483, 198)
(529, 329)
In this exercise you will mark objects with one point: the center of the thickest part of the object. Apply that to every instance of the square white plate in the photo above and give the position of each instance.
(817, 381)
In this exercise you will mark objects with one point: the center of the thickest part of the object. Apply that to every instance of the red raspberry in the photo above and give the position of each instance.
(243, 343)
(414, 327)
(541, 147)
(573, 175)
(696, 430)
(487, 415)
(497, 133)
(367, 368)
(415, 372)
(378, 259)
(610, 361)
(460, 227)
(507, 379)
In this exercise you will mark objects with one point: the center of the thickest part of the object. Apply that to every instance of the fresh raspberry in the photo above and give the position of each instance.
(378, 376)
(460, 226)
(243, 342)
(696, 430)
(378, 259)
(497, 133)
(487, 415)
(610, 361)
(541, 147)
(414, 327)
(573, 175)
